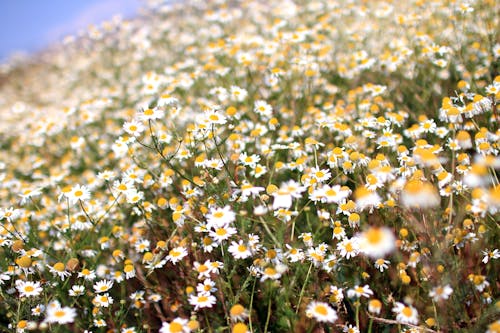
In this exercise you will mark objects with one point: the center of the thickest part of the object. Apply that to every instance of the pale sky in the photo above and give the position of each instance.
(30, 25)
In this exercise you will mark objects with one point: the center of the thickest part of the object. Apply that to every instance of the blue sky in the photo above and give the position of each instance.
(30, 25)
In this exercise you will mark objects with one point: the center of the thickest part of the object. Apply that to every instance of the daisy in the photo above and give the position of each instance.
(28, 288)
(248, 190)
(87, 274)
(103, 286)
(238, 312)
(294, 254)
(151, 114)
(374, 306)
(133, 128)
(238, 94)
(176, 254)
(350, 329)
(366, 198)
(348, 248)
(37, 310)
(405, 314)
(28, 194)
(78, 193)
(223, 233)
(336, 294)
(420, 194)
(495, 254)
(215, 266)
(208, 286)
(263, 109)
(321, 311)
(60, 315)
(154, 298)
(178, 325)
(334, 194)
(103, 300)
(338, 231)
(59, 269)
(441, 292)
(76, 290)
(239, 250)
(249, 160)
(284, 195)
(203, 300)
(271, 273)
(381, 264)
(202, 269)
(359, 291)
(219, 217)
(377, 242)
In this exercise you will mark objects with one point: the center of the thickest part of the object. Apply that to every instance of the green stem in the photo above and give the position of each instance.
(268, 315)
(251, 305)
(357, 314)
(303, 287)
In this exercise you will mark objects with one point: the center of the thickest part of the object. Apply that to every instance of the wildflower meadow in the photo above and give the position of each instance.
(256, 166)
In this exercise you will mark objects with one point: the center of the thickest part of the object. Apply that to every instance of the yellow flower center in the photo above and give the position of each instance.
(374, 236)
(407, 311)
(175, 327)
(321, 309)
(237, 310)
(221, 232)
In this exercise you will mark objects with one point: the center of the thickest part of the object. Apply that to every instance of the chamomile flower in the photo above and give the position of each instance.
(360, 291)
(222, 233)
(441, 293)
(494, 254)
(419, 194)
(202, 300)
(178, 325)
(76, 290)
(103, 300)
(238, 312)
(350, 329)
(374, 306)
(381, 264)
(208, 286)
(239, 250)
(151, 114)
(103, 286)
(176, 254)
(134, 128)
(59, 269)
(405, 314)
(377, 242)
(28, 288)
(321, 312)
(78, 193)
(219, 217)
(349, 247)
(60, 315)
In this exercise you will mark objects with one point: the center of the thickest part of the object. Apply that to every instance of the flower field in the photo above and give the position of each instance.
(256, 166)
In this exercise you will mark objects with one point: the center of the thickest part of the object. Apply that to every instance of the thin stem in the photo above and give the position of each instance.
(304, 287)
(268, 315)
(357, 304)
(251, 305)
(370, 325)
(395, 322)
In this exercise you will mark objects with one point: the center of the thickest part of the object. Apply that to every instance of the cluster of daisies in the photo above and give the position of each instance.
(256, 166)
